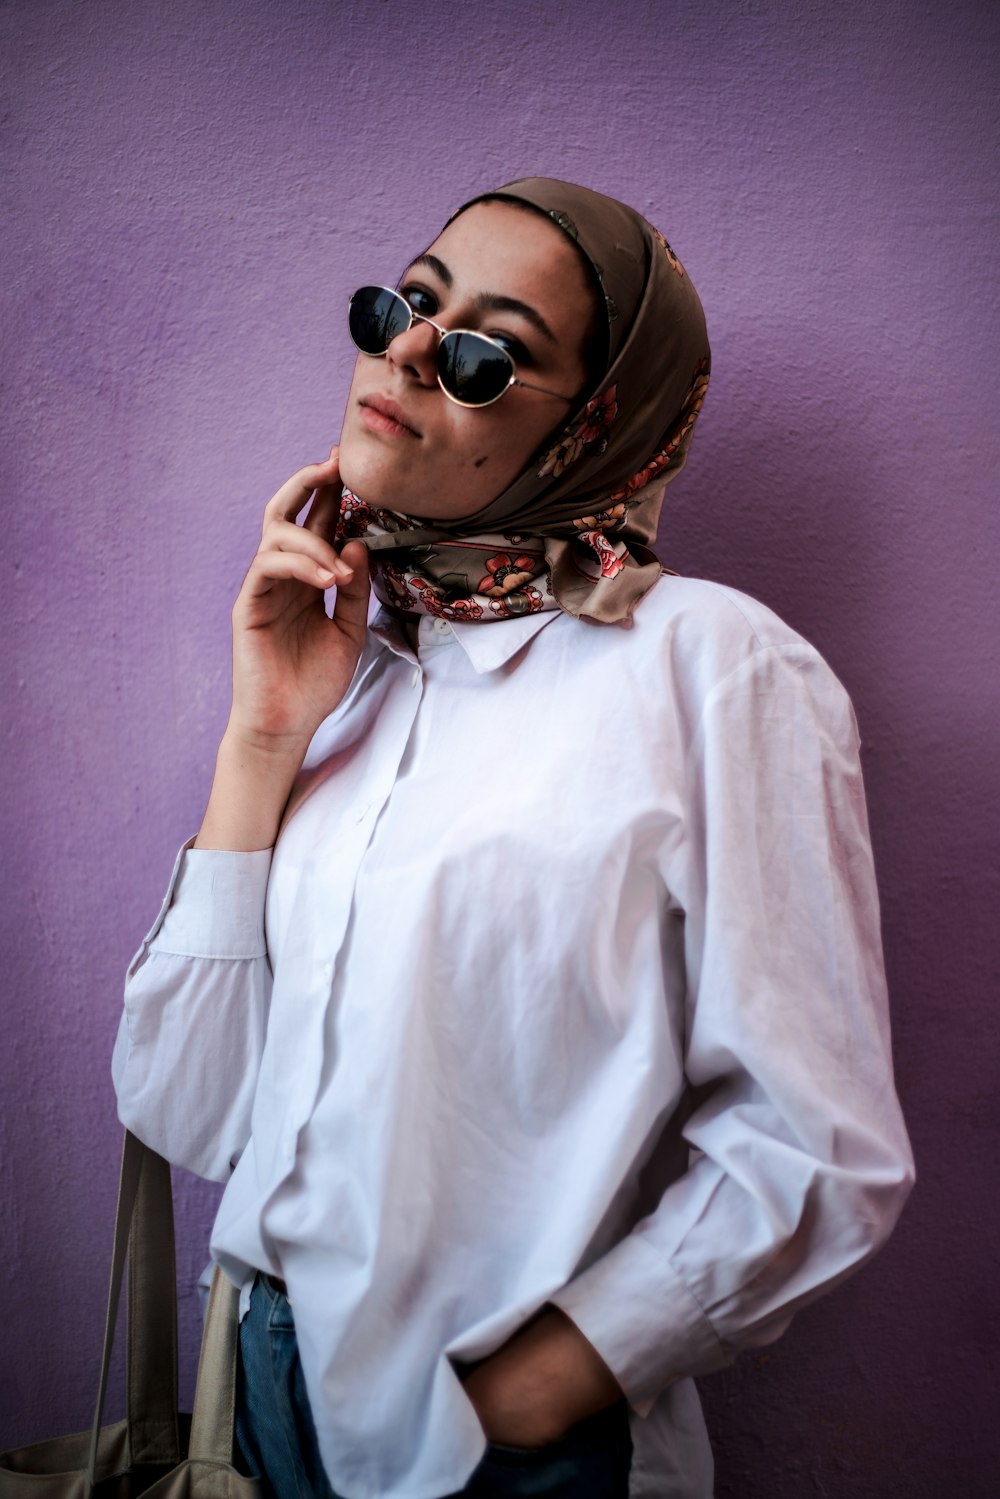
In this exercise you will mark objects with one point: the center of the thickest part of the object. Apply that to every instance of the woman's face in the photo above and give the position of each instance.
(497, 269)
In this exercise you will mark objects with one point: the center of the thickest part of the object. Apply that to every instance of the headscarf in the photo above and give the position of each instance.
(573, 531)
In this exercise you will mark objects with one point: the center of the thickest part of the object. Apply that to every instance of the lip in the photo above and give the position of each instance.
(380, 414)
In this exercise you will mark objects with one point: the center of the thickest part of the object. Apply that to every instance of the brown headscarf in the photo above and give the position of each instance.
(573, 530)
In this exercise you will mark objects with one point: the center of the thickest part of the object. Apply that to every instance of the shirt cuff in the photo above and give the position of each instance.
(638, 1314)
(214, 906)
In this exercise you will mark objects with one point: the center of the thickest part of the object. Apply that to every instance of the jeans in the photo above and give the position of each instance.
(276, 1438)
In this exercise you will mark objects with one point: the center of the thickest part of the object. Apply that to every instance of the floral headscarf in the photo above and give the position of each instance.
(573, 531)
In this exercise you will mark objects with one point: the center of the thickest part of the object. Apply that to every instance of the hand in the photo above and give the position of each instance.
(292, 664)
(540, 1383)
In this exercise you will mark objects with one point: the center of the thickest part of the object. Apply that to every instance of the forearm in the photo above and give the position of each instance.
(249, 792)
(542, 1381)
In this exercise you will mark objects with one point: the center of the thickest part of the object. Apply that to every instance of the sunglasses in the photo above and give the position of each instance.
(472, 369)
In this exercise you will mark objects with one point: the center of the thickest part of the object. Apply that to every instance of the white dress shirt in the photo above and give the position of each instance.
(563, 983)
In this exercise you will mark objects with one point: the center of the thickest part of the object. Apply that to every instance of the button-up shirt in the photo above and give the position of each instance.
(562, 984)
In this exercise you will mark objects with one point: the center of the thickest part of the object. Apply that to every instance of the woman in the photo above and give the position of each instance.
(526, 965)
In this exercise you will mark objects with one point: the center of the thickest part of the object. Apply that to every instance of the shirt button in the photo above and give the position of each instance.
(442, 626)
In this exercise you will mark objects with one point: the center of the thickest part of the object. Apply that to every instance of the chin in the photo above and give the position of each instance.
(365, 476)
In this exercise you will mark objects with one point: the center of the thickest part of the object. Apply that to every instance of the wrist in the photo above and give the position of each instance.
(253, 778)
(270, 753)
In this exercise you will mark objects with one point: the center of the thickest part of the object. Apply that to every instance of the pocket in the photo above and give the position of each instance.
(548, 1450)
(279, 1308)
(593, 1457)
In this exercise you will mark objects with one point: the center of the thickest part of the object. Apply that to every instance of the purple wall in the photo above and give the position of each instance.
(194, 188)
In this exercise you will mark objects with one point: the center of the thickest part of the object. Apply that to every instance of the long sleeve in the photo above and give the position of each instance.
(800, 1161)
(197, 993)
(496, 978)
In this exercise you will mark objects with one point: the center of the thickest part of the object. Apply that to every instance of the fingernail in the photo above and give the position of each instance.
(326, 574)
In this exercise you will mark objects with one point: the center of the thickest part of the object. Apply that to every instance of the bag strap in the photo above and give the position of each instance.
(144, 1234)
(215, 1391)
(151, 1349)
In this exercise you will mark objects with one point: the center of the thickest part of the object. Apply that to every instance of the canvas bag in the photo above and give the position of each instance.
(154, 1450)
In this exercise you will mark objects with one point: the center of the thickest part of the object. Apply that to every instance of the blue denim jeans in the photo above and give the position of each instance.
(276, 1438)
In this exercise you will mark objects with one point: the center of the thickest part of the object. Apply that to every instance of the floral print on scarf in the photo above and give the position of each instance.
(438, 575)
(504, 573)
(668, 251)
(609, 559)
(357, 518)
(524, 601)
(686, 420)
(588, 438)
(611, 519)
(432, 600)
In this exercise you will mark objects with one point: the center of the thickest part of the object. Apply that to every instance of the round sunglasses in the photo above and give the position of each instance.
(472, 368)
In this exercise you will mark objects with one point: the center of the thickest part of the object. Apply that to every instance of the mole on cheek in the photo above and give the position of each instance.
(480, 461)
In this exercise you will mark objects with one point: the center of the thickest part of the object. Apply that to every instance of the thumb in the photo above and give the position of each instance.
(350, 604)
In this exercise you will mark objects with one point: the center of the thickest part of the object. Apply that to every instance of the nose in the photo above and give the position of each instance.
(413, 351)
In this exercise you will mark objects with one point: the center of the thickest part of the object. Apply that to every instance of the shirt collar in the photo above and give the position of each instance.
(487, 646)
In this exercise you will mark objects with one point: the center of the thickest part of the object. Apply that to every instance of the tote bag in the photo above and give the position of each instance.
(154, 1450)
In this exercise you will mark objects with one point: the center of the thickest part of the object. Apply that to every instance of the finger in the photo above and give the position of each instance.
(286, 536)
(324, 512)
(350, 606)
(268, 568)
(286, 503)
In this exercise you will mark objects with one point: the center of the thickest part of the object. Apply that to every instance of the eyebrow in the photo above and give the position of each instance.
(487, 301)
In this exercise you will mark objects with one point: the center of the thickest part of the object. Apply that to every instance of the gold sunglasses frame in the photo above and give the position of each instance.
(444, 333)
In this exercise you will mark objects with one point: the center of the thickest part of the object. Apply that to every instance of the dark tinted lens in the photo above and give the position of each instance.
(472, 369)
(375, 317)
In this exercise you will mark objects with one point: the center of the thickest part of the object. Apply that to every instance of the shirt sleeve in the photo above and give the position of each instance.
(800, 1161)
(197, 993)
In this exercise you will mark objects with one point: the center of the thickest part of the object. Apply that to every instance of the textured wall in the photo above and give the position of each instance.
(191, 191)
